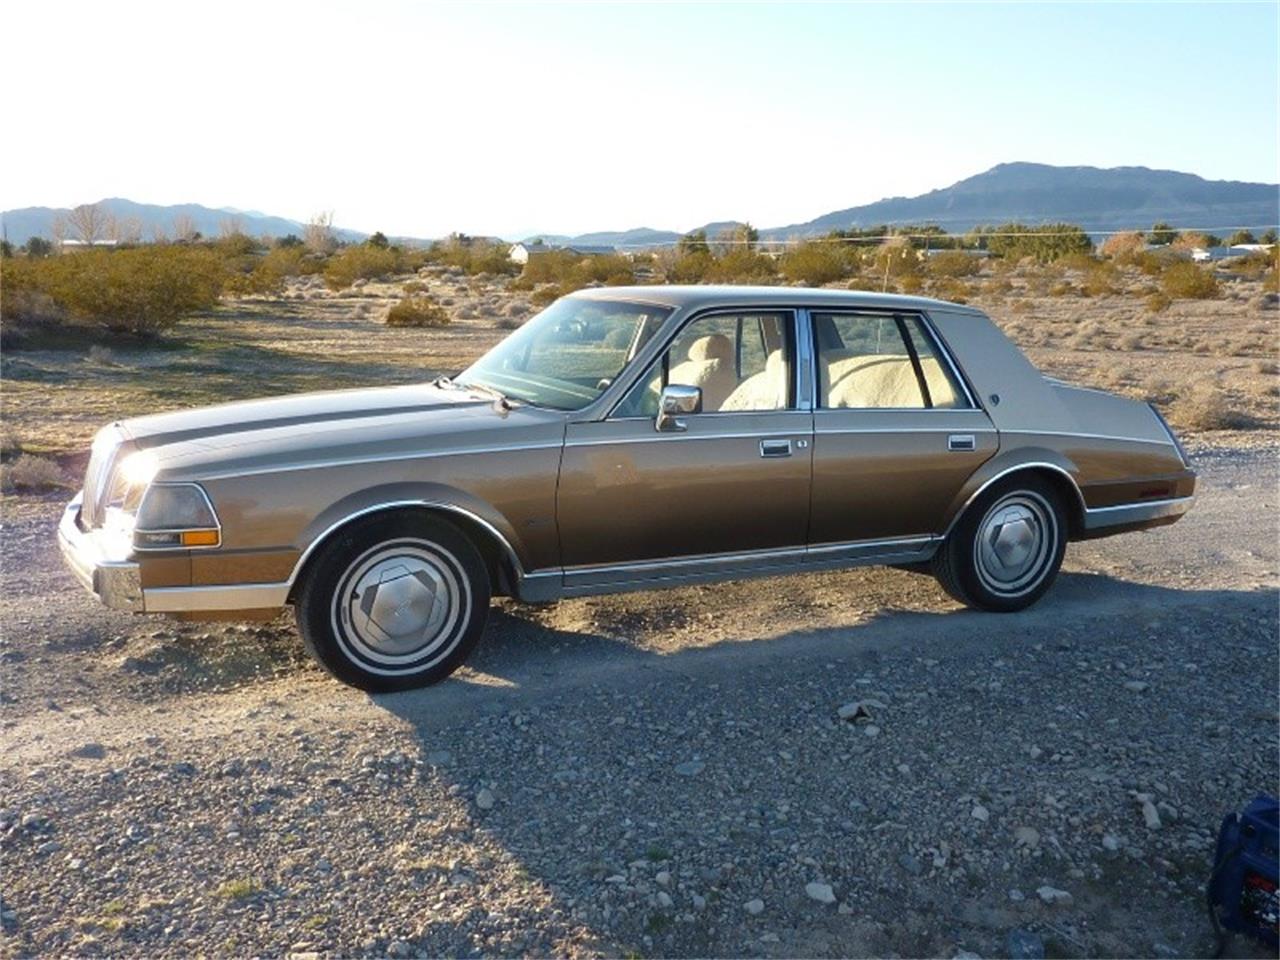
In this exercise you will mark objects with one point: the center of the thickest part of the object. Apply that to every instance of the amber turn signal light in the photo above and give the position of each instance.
(200, 538)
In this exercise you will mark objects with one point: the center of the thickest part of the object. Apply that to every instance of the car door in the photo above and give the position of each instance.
(729, 484)
(896, 430)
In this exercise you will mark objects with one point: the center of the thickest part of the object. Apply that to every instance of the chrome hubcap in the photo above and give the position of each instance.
(1016, 541)
(401, 605)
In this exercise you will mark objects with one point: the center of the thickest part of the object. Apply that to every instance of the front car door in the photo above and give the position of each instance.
(726, 489)
(896, 432)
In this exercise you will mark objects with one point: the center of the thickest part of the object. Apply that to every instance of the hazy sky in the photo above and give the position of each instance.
(518, 118)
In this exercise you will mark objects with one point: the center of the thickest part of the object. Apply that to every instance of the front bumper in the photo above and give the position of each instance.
(101, 566)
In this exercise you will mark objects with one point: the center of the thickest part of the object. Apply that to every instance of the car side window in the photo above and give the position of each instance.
(880, 361)
(740, 362)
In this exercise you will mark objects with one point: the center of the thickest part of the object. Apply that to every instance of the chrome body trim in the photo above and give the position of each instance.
(1128, 513)
(651, 574)
(112, 578)
(1087, 436)
(238, 596)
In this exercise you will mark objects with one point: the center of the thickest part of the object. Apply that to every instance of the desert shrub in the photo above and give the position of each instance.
(911, 283)
(1157, 302)
(952, 263)
(1271, 281)
(742, 264)
(1253, 265)
(1044, 243)
(1123, 247)
(471, 256)
(953, 289)
(418, 312)
(689, 267)
(571, 271)
(1062, 288)
(896, 258)
(412, 287)
(815, 264)
(545, 294)
(509, 323)
(1186, 281)
(359, 262)
(140, 290)
(1204, 407)
(31, 473)
(1100, 278)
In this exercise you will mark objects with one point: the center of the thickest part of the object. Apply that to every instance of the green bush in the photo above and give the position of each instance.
(1045, 243)
(472, 256)
(815, 264)
(418, 311)
(359, 262)
(1186, 281)
(743, 265)
(953, 263)
(140, 290)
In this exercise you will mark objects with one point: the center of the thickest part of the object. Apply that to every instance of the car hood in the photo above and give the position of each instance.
(313, 428)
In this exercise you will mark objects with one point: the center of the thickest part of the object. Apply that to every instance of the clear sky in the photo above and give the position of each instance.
(510, 119)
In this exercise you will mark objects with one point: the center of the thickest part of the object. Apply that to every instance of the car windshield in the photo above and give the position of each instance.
(568, 354)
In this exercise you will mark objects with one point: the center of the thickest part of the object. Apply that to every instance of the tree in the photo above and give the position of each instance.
(1269, 236)
(184, 228)
(318, 233)
(1162, 234)
(88, 222)
(6, 249)
(288, 240)
(694, 243)
(39, 247)
(1241, 236)
(379, 239)
(231, 227)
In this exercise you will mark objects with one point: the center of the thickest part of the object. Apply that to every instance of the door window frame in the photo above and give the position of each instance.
(901, 317)
(796, 338)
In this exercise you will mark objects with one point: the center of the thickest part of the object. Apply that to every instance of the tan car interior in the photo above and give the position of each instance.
(884, 381)
(847, 380)
(710, 367)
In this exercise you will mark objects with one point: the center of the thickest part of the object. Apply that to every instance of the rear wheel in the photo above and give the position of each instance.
(394, 602)
(1007, 547)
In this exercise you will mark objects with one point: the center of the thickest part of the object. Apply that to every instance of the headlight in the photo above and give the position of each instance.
(176, 515)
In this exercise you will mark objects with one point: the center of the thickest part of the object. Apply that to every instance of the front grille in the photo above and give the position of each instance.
(97, 476)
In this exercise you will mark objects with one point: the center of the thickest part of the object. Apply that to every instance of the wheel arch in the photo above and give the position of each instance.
(489, 534)
(1048, 465)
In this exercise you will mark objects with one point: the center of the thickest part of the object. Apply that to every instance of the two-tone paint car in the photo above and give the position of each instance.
(624, 438)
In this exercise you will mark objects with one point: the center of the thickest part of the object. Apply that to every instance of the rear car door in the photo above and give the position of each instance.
(733, 481)
(896, 429)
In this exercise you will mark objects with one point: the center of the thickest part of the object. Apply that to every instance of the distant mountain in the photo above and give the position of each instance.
(23, 224)
(1097, 199)
(1094, 198)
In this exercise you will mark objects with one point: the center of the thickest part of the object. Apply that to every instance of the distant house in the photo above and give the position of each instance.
(521, 252)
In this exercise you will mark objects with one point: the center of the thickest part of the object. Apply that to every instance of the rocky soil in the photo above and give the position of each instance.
(830, 765)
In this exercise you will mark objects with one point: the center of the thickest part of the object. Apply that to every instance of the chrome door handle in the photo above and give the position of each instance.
(775, 448)
(961, 441)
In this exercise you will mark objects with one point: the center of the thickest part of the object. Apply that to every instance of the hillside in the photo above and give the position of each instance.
(1095, 198)
(22, 224)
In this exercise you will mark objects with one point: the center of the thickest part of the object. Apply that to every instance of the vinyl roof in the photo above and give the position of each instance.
(711, 295)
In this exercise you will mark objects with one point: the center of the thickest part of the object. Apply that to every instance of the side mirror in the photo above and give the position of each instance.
(677, 400)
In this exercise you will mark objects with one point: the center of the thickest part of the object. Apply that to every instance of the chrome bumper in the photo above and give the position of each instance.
(1130, 513)
(115, 580)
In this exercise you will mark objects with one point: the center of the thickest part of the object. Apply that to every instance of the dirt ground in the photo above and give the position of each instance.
(654, 774)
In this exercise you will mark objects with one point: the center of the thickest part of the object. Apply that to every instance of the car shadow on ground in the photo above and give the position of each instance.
(591, 709)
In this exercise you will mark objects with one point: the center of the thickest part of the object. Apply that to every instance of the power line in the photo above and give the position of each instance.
(971, 236)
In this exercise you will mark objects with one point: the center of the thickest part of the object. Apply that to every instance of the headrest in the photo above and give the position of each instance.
(716, 346)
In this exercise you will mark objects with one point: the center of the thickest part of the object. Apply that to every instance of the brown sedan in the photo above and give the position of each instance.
(624, 438)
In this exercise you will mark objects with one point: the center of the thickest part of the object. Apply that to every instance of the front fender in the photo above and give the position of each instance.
(437, 496)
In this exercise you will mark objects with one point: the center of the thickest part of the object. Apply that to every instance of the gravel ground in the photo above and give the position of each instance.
(828, 765)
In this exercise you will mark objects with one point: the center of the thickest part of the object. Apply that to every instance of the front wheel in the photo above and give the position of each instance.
(1007, 547)
(394, 602)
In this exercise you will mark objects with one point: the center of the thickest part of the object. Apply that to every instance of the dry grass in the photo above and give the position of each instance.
(30, 474)
(418, 312)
